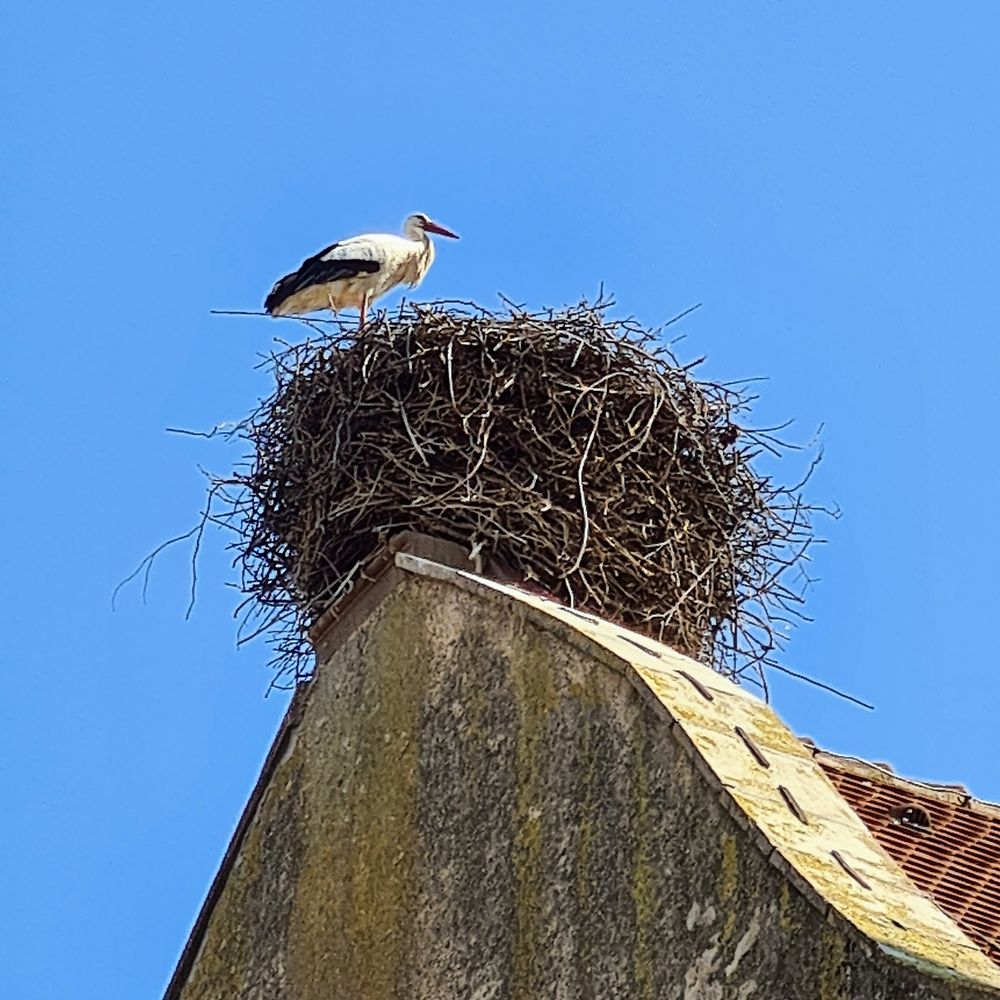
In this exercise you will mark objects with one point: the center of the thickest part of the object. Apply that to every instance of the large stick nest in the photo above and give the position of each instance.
(568, 446)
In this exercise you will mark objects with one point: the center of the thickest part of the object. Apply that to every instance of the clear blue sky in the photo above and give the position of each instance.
(823, 177)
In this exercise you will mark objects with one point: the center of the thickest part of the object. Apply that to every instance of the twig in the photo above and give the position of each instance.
(147, 563)
(825, 687)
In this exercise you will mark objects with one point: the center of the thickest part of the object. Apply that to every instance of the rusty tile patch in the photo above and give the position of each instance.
(955, 859)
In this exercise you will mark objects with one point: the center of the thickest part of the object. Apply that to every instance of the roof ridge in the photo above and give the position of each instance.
(955, 791)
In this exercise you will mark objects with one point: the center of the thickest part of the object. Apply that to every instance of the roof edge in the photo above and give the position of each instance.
(946, 792)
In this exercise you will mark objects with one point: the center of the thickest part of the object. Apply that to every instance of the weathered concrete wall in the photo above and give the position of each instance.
(473, 809)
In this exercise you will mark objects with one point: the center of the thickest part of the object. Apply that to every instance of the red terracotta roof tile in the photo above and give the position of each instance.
(946, 841)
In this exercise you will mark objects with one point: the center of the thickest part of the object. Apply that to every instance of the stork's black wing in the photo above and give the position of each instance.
(317, 270)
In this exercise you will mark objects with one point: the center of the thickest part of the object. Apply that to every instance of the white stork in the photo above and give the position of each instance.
(356, 271)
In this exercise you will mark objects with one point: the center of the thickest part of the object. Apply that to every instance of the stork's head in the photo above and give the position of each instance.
(418, 225)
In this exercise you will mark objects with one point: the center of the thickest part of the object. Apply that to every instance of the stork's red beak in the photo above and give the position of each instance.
(433, 227)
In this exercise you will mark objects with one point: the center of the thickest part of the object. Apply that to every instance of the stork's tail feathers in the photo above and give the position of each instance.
(284, 288)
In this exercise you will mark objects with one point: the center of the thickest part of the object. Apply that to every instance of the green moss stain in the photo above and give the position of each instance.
(729, 871)
(644, 886)
(536, 695)
(585, 845)
(527, 857)
(356, 898)
(832, 979)
(786, 917)
(728, 882)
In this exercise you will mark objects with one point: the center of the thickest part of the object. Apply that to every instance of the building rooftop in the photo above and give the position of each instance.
(944, 839)
(907, 869)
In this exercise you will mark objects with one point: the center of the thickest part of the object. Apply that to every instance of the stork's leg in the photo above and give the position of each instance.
(364, 310)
